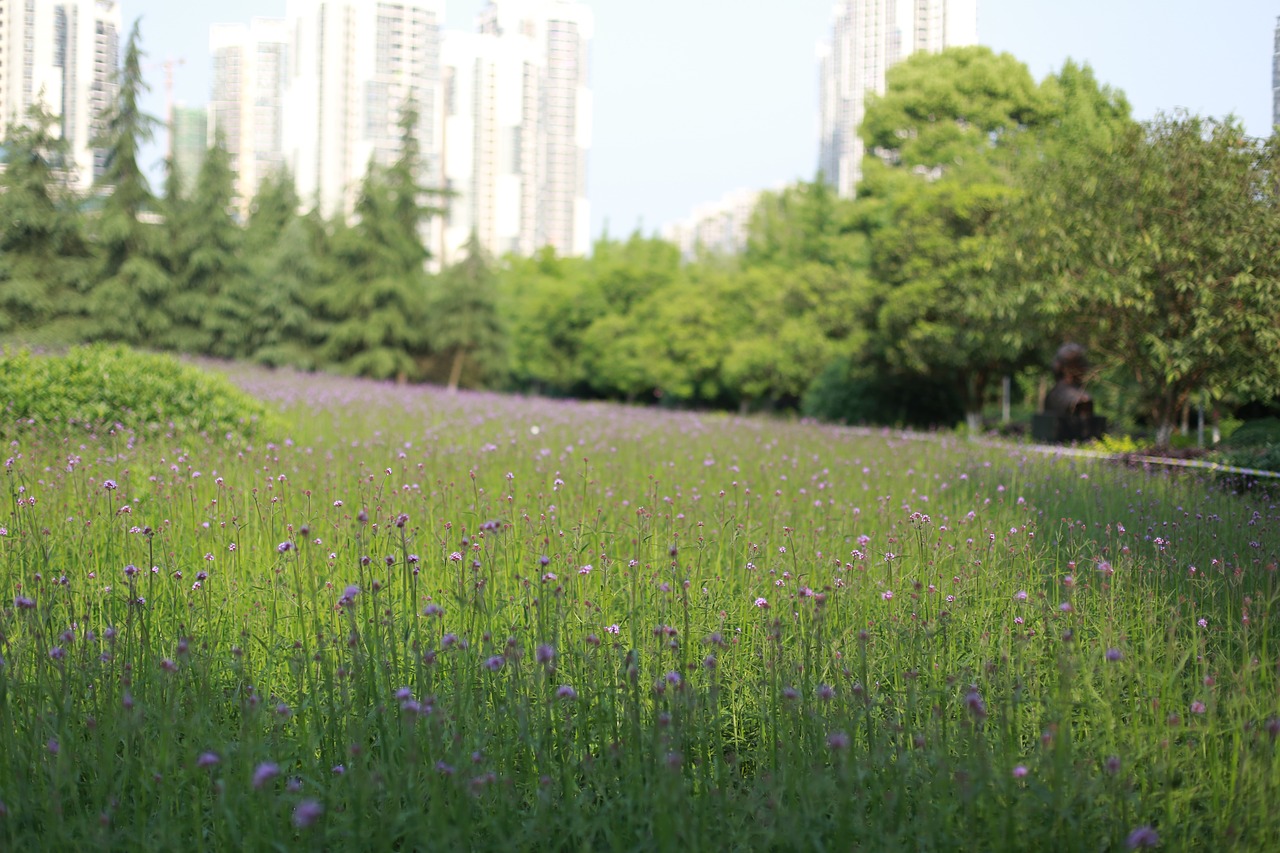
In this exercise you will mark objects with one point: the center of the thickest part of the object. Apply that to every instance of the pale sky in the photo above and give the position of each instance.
(697, 98)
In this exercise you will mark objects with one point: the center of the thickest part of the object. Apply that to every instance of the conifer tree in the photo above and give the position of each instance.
(216, 297)
(463, 316)
(377, 320)
(286, 328)
(131, 300)
(284, 255)
(43, 253)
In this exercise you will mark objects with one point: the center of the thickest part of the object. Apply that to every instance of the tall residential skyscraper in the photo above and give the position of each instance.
(719, 227)
(518, 128)
(1275, 79)
(190, 134)
(938, 24)
(490, 163)
(64, 54)
(246, 108)
(352, 65)
(868, 37)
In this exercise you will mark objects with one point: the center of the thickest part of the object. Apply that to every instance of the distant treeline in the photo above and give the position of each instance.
(996, 218)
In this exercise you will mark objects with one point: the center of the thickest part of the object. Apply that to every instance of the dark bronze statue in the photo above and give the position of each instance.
(1068, 408)
(1068, 398)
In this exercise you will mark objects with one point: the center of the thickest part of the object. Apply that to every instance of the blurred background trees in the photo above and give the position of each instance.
(997, 218)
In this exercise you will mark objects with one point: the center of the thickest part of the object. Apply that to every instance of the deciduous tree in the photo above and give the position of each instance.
(1157, 250)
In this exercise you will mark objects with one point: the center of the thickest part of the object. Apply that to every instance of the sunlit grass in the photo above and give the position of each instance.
(431, 621)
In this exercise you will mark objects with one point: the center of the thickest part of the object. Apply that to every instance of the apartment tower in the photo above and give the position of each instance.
(1275, 79)
(867, 38)
(491, 109)
(352, 65)
(532, 116)
(189, 135)
(246, 108)
(63, 54)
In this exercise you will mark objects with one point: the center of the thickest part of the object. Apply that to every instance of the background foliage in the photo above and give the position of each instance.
(997, 218)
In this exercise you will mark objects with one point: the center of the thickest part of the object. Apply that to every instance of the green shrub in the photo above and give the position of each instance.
(1254, 433)
(844, 393)
(1265, 457)
(1227, 427)
(99, 386)
(1118, 444)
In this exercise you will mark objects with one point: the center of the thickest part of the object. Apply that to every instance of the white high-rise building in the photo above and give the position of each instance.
(246, 106)
(939, 24)
(1275, 79)
(868, 37)
(63, 54)
(352, 65)
(719, 227)
(553, 39)
(490, 162)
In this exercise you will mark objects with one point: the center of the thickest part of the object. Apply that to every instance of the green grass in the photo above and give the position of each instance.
(471, 684)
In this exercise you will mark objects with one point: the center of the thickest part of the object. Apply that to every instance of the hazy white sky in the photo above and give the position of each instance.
(696, 98)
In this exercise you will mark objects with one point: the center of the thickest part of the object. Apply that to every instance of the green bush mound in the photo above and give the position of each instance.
(1259, 432)
(99, 386)
(847, 393)
(1262, 457)
(1254, 444)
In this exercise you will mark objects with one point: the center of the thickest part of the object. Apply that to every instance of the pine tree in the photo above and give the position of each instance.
(131, 301)
(284, 254)
(285, 325)
(216, 300)
(376, 310)
(464, 322)
(43, 253)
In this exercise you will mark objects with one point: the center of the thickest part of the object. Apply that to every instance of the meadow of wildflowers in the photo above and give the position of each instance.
(423, 621)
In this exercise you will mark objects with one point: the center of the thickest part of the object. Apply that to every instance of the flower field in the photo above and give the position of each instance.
(424, 621)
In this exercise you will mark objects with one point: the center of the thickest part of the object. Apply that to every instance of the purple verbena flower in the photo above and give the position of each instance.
(1143, 836)
(306, 813)
(264, 773)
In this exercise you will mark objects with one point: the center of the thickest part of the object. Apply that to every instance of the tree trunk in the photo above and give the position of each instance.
(975, 387)
(455, 373)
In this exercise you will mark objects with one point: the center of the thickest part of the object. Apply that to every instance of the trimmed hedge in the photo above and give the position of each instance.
(100, 386)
